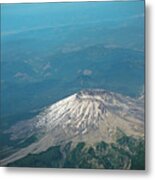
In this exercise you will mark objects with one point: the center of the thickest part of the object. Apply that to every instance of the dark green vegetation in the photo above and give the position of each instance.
(127, 153)
(8, 146)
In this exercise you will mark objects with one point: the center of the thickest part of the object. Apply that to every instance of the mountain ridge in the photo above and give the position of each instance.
(87, 116)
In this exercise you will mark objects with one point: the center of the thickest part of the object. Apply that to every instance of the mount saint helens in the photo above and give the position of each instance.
(90, 117)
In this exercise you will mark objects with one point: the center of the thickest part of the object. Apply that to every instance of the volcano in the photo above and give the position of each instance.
(89, 116)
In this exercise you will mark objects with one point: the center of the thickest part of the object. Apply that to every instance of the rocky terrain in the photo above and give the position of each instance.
(91, 117)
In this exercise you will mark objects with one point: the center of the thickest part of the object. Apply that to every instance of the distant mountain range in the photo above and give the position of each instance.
(89, 129)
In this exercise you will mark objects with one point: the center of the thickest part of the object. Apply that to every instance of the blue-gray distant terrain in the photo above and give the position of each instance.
(52, 50)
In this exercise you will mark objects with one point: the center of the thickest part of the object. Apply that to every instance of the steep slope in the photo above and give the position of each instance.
(89, 116)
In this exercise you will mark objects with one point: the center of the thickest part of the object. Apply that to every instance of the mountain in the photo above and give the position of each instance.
(98, 121)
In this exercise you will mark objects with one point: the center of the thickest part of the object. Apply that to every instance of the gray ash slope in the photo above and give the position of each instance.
(89, 116)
